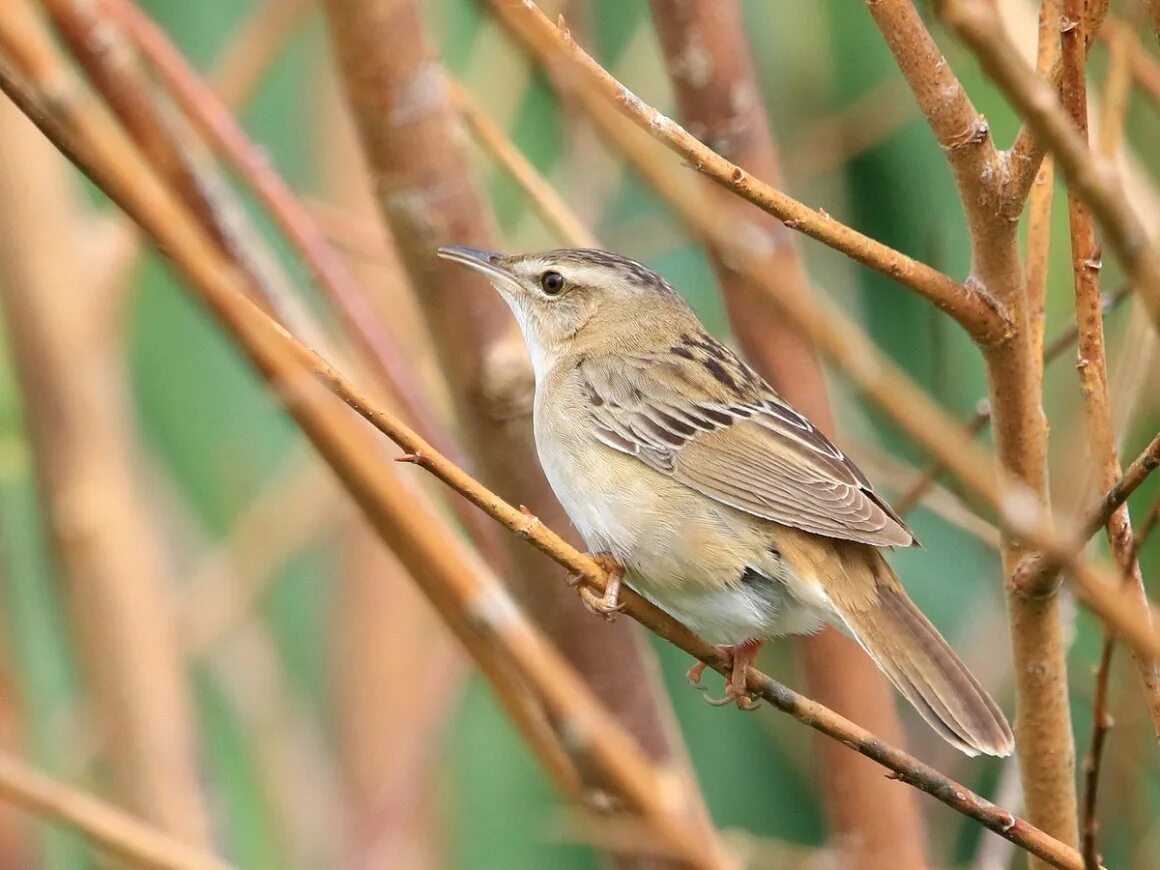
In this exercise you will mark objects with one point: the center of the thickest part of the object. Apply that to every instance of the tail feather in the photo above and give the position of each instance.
(911, 652)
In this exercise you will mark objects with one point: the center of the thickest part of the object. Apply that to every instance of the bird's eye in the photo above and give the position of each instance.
(552, 282)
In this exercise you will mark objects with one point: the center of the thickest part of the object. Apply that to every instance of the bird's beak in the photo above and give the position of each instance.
(487, 263)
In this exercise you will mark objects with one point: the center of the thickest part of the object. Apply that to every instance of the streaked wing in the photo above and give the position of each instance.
(710, 422)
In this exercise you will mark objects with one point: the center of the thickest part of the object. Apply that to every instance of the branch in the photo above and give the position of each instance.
(1092, 178)
(288, 365)
(255, 43)
(116, 833)
(553, 210)
(969, 308)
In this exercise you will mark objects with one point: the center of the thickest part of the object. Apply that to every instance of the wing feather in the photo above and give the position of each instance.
(752, 452)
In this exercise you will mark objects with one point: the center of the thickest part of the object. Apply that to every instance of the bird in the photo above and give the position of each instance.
(686, 473)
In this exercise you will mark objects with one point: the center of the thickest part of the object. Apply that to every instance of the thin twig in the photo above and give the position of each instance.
(551, 207)
(254, 46)
(286, 362)
(1101, 724)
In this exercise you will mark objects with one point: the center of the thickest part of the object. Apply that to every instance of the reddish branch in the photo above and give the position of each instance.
(708, 61)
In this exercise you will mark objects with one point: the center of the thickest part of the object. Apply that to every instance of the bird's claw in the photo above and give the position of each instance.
(608, 603)
(694, 675)
(744, 700)
(602, 605)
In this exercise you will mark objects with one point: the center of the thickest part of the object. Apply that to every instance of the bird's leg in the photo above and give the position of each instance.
(741, 656)
(606, 604)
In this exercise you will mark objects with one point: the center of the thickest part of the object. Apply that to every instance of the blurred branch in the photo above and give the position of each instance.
(551, 207)
(111, 64)
(469, 599)
(833, 333)
(112, 571)
(113, 831)
(974, 311)
(828, 142)
(709, 65)
(254, 46)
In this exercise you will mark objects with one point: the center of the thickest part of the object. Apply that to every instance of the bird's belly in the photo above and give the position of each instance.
(684, 552)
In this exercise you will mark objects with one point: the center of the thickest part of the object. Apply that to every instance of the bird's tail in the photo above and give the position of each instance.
(922, 666)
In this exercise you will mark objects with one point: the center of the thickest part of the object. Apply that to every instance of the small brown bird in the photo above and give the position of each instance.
(723, 505)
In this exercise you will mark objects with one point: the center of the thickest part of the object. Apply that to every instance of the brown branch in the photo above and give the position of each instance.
(116, 833)
(1101, 724)
(709, 64)
(451, 582)
(1092, 178)
(1092, 364)
(1093, 378)
(970, 308)
(251, 51)
(551, 207)
(397, 94)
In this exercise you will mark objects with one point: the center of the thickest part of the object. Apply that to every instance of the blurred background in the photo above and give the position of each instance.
(309, 658)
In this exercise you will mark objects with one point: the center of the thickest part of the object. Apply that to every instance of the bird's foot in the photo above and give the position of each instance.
(741, 656)
(606, 603)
